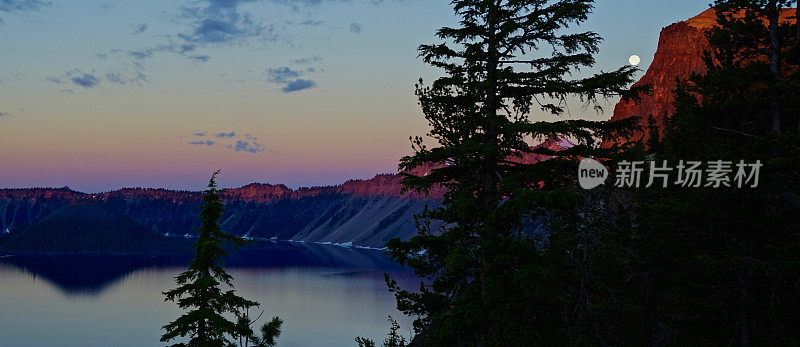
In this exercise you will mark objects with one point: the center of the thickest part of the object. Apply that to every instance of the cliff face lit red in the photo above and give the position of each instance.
(679, 54)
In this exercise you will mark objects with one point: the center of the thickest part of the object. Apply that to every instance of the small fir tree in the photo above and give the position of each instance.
(201, 292)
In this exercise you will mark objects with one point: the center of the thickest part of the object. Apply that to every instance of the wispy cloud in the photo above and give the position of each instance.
(123, 67)
(247, 146)
(289, 78)
(23, 5)
(140, 54)
(310, 22)
(128, 67)
(308, 60)
(124, 78)
(282, 74)
(11, 6)
(211, 23)
(222, 21)
(298, 85)
(223, 135)
(133, 74)
(298, 5)
(139, 28)
(148, 52)
(208, 24)
(86, 80)
(200, 58)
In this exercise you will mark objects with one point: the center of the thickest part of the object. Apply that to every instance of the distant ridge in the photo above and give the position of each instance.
(357, 212)
(361, 212)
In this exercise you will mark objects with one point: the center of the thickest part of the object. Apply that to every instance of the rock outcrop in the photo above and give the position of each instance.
(679, 54)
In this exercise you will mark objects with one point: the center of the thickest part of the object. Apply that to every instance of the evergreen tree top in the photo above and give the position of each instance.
(215, 314)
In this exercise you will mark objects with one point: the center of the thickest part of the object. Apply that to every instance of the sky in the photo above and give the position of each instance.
(100, 95)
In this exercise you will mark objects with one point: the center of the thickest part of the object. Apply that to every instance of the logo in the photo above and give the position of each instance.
(591, 173)
(689, 174)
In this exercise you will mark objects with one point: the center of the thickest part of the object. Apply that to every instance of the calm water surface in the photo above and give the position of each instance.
(325, 295)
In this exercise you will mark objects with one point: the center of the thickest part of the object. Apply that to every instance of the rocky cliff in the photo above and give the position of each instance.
(679, 54)
(364, 212)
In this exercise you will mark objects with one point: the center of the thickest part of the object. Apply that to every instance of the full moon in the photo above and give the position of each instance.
(634, 60)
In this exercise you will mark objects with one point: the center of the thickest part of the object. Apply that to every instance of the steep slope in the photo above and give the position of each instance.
(364, 212)
(679, 54)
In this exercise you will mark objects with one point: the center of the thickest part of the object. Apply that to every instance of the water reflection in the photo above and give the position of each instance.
(83, 274)
(325, 295)
(90, 274)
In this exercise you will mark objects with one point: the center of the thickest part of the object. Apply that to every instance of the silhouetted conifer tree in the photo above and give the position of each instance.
(393, 338)
(491, 281)
(201, 290)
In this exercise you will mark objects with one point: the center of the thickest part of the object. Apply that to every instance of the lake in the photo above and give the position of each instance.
(326, 296)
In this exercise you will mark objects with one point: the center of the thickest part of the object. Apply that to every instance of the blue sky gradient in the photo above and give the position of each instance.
(100, 95)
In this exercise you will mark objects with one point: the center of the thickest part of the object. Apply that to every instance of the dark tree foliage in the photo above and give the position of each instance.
(755, 28)
(364, 342)
(721, 265)
(201, 290)
(489, 281)
(393, 338)
(269, 332)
